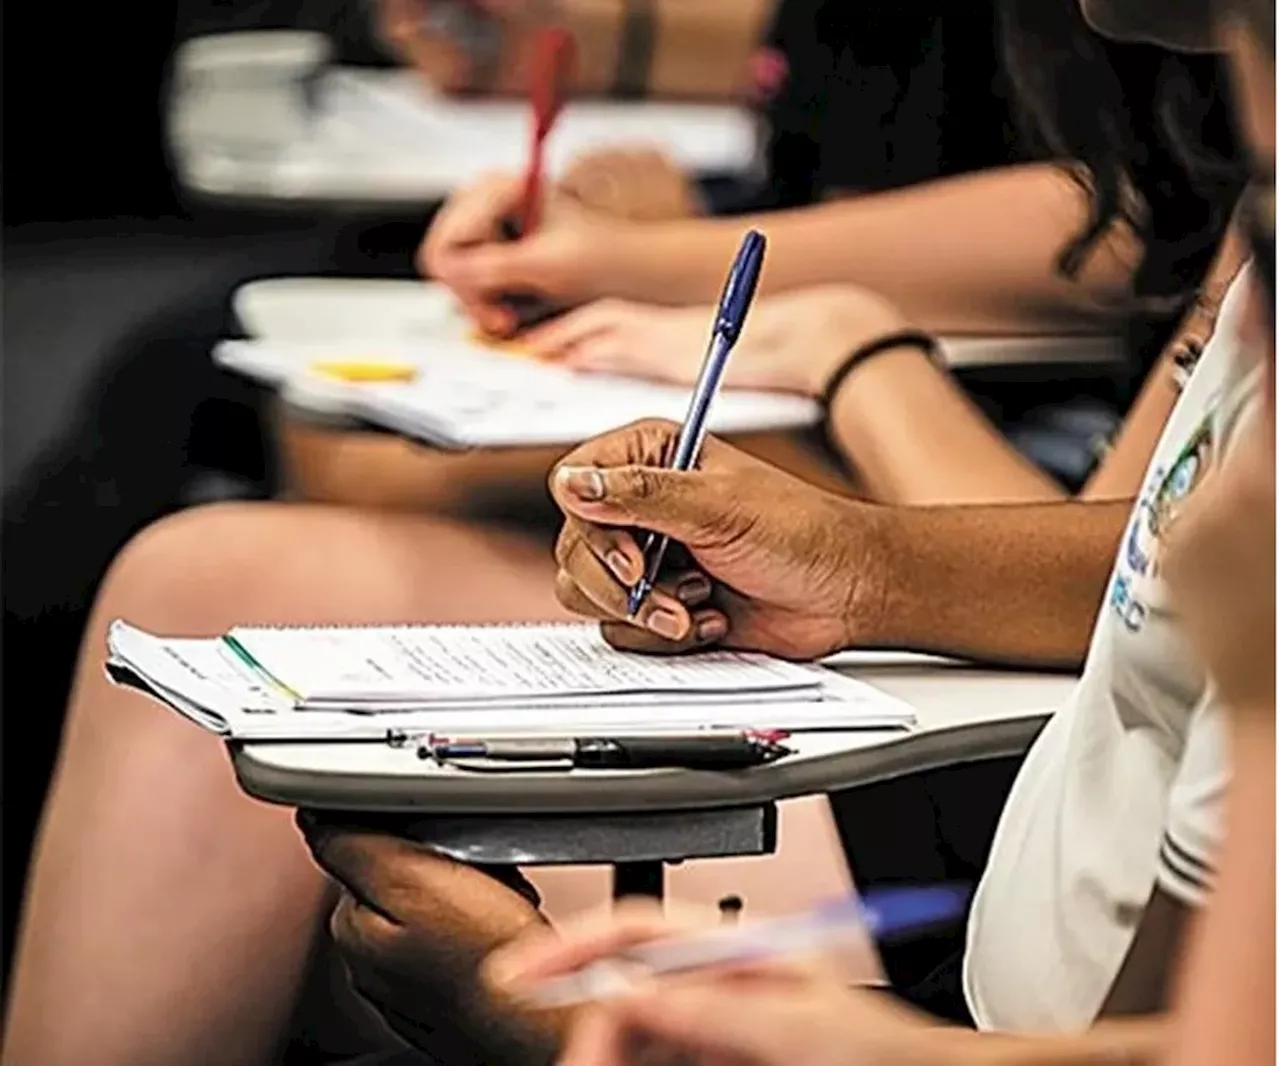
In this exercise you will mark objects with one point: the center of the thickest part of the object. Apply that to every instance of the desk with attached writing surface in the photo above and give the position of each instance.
(638, 821)
(329, 463)
(264, 119)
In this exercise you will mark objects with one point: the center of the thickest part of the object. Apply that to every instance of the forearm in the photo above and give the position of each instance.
(971, 254)
(1018, 584)
(1120, 473)
(913, 437)
(1137, 1042)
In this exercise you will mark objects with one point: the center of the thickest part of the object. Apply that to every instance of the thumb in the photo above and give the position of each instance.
(681, 504)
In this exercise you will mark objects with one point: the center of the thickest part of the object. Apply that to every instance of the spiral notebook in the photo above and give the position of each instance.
(336, 683)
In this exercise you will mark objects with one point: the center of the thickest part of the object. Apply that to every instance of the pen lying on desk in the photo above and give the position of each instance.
(724, 750)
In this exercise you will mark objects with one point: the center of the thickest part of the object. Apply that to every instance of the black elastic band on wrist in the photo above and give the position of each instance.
(636, 44)
(907, 338)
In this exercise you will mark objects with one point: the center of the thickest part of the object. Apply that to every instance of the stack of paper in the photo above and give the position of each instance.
(467, 395)
(292, 684)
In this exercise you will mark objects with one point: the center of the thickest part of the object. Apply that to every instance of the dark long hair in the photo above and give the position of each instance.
(1149, 135)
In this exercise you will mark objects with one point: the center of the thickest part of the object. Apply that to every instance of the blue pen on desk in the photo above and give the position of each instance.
(882, 915)
(735, 301)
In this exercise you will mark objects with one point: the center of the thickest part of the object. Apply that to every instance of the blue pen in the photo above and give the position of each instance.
(735, 301)
(882, 915)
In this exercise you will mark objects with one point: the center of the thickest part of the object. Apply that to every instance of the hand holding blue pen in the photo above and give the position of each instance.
(882, 915)
(735, 301)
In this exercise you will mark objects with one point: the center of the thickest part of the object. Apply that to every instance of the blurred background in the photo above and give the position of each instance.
(158, 156)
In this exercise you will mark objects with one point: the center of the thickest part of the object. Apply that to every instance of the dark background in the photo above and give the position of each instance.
(113, 287)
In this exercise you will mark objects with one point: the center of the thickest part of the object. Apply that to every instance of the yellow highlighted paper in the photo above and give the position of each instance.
(367, 372)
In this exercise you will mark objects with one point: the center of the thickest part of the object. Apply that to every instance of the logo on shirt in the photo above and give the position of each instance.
(1136, 589)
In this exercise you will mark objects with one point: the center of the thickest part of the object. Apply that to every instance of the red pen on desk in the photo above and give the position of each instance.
(550, 73)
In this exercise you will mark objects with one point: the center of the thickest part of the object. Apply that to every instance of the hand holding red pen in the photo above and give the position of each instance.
(551, 73)
(508, 246)
(467, 250)
(480, 238)
(551, 70)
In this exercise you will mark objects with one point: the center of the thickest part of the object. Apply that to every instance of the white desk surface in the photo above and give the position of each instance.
(407, 312)
(368, 137)
(963, 713)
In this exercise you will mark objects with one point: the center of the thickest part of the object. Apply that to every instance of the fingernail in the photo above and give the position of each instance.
(587, 483)
(619, 564)
(693, 590)
(711, 628)
(665, 624)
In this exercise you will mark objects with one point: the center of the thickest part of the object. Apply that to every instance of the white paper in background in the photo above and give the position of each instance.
(467, 395)
(373, 136)
(397, 311)
(363, 310)
(393, 114)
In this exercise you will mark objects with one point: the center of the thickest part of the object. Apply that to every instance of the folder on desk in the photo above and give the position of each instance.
(380, 682)
(467, 395)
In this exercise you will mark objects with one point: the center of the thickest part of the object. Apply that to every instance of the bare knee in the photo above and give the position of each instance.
(188, 574)
(203, 571)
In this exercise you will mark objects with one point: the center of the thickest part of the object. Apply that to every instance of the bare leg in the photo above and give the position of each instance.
(168, 917)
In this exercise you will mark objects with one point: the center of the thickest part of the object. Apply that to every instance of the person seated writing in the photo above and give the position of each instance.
(149, 854)
(1220, 565)
(820, 54)
(917, 248)
(1080, 912)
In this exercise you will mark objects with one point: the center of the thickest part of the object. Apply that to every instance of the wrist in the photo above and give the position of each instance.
(609, 258)
(633, 260)
(886, 348)
(935, 1044)
(899, 600)
(868, 539)
(852, 320)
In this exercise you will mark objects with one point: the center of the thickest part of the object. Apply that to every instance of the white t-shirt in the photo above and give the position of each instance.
(1122, 789)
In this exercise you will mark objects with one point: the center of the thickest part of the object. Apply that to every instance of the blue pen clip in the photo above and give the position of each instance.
(731, 313)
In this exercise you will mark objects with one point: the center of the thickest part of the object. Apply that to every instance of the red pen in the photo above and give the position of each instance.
(550, 73)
